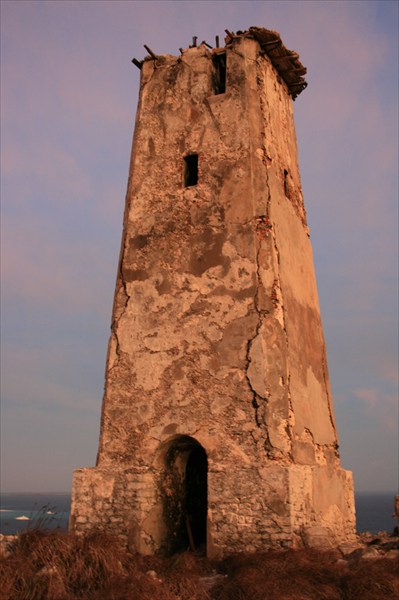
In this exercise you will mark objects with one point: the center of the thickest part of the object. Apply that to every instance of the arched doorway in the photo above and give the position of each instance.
(185, 495)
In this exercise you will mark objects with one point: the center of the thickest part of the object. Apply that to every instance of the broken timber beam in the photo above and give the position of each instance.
(150, 52)
(138, 63)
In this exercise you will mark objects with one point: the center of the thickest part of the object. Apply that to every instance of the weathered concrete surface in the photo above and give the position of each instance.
(216, 336)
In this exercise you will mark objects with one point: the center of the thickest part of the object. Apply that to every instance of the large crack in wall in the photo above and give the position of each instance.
(269, 308)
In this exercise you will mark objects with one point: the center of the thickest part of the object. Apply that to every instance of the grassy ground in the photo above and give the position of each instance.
(61, 566)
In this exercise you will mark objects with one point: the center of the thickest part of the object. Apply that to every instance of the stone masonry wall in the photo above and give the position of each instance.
(216, 330)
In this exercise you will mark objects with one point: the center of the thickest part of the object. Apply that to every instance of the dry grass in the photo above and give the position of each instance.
(62, 566)
(371, 580)
(308, 575)
(286, 575)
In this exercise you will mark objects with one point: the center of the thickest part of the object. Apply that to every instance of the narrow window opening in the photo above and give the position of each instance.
(190, 170)
(286, 184)
(219, 62)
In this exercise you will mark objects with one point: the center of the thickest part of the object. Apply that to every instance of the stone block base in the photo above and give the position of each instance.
(248, 509)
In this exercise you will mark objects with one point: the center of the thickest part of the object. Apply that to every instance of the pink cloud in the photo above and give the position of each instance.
(46, 269)
(38, 388)
(347, 56)
(383, 407)
(48, 167)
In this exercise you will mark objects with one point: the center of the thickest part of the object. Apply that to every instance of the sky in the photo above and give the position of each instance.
(68, 101)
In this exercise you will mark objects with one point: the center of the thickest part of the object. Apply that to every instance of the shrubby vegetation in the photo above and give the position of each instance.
(62, 566)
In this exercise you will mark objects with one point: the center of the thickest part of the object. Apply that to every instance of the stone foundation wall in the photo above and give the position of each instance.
(270, 507)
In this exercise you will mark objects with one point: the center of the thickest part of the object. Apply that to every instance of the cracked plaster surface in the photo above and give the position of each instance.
(209, 274)
(216, 331)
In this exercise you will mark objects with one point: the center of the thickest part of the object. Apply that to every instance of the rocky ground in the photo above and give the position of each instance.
(380, 545)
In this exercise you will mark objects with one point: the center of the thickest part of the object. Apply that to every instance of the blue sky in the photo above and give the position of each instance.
(68, 102)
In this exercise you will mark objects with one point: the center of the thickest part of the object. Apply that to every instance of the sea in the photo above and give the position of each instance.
(19, 512)
(29, 511)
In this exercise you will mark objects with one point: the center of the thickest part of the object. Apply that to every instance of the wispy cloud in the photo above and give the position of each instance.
(382, 407)
(49, 169)
(44, 270)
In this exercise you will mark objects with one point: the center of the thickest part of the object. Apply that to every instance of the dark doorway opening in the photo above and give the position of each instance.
(185, 492)
(197, 496)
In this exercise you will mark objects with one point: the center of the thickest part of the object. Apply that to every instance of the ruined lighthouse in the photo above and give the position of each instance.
(217, 428)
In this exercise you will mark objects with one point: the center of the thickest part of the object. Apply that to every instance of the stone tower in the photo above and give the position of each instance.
(217, 421)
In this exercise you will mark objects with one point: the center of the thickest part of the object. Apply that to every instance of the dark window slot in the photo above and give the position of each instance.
(219, 63)
(190, 170)
(286, 186)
